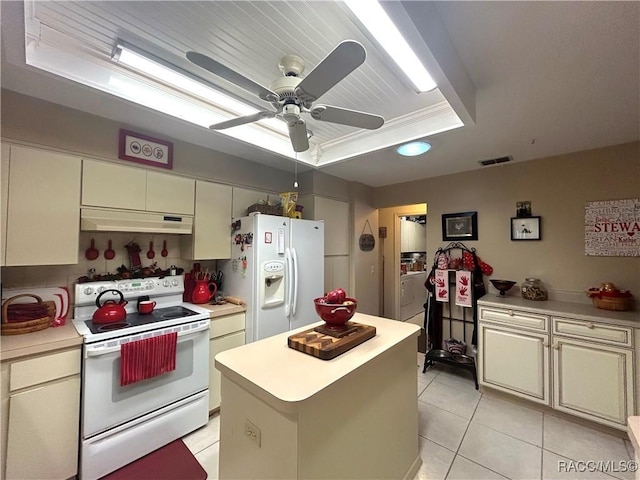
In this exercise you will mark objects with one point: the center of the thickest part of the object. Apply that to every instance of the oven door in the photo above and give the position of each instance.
(106, 404)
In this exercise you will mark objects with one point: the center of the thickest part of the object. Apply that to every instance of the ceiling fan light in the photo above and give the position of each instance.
(376, 20)
(412, 149)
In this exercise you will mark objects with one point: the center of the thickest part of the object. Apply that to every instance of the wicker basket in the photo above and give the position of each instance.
(265, 209)
(32, 316)
(613, 303)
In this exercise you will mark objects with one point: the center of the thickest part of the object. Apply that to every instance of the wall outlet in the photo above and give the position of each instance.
(253, 432)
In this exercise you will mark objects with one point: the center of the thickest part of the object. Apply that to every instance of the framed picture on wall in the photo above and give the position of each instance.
(525, 228)
(460, 226)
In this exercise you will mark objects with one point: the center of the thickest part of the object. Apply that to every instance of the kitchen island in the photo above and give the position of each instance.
(287, 414)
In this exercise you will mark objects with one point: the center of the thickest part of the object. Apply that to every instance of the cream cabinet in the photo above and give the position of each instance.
(211, 237)
(593, 378)
(579, 362)
(413, 236)
(226, 332)
(4, 191)
(41, 207)
(112, 185)
(41, 416)
(514, 361)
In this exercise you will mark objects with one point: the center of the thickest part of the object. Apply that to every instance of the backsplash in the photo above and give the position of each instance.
(67, 275)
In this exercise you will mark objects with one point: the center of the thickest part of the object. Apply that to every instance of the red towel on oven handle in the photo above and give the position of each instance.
(147, 358)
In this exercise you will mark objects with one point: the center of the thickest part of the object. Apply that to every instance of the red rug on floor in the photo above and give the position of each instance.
(171, 462)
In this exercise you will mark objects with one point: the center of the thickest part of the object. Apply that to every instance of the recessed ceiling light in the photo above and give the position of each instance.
(413, 148)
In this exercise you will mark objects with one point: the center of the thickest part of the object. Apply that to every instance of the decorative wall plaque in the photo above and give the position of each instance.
(612, 228)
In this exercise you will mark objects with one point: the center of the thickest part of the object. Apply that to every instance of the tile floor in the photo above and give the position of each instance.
(465, 434)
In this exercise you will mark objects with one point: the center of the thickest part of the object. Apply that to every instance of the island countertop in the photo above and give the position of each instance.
(283, 377)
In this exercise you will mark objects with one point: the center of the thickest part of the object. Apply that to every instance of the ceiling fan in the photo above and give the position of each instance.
(292, 95)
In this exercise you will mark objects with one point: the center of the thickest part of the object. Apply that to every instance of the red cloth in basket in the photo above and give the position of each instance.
(147, 358)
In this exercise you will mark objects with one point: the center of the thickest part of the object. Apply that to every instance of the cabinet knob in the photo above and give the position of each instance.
(590, 325)
(511, 314)
(545, 344)
(556, 346)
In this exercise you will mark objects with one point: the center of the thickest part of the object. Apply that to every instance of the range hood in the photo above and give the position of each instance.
(99, 220)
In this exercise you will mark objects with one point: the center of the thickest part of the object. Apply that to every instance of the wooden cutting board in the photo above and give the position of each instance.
(326, 347)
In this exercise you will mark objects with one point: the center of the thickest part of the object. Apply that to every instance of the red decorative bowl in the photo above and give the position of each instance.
(335, 314)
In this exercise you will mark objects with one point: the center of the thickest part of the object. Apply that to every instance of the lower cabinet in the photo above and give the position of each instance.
(41, 415)
(573, 365)
(515, 362)
(226, 332)
(593, 381)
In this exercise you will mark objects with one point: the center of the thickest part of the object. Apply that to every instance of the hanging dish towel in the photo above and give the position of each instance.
(463, 288)
(442, 285)
(147, 358)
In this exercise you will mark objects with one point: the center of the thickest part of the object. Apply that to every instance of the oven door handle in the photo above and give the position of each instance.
(97, 351)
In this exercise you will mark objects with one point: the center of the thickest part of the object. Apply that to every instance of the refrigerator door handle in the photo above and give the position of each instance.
(294, 260)
(288, 282)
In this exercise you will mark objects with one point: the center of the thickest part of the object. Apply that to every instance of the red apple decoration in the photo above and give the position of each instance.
(336, 296)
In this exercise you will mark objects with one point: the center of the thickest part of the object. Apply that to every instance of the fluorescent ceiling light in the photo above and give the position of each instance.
(413, 148)
(144, 63)
(376, 20)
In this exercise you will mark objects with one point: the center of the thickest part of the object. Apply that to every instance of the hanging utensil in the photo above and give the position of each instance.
(151, 253)
(109, 253)
(92, 252)
(164, 251)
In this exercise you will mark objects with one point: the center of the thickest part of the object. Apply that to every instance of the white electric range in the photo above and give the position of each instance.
(123, 423)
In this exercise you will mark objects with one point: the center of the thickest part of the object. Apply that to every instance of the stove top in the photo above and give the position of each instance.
(138, 319)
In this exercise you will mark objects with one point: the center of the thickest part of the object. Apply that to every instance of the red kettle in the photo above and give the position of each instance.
(110, 311)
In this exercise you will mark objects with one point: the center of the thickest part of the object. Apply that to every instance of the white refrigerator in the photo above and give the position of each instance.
(277, 268)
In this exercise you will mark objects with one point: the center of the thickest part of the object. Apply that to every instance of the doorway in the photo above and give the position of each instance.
(390, 258)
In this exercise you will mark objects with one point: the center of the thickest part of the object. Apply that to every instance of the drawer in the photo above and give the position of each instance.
(515, 318)
(34, 371)
(228, 324)
(593, 331)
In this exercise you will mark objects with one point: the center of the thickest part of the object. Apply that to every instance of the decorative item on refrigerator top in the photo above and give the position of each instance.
(277, 267)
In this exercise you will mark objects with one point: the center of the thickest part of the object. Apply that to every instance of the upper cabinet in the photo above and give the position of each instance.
(4, 190)
(335, 215)
(40, 201)
(211, 237)
(413, 236)
(112, 185)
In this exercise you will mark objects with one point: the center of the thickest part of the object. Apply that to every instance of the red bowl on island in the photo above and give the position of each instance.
(335, 315)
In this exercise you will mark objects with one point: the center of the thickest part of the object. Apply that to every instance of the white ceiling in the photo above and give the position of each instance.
(548, 77)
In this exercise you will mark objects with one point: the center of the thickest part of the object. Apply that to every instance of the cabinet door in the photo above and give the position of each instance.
(336, 225)
(210, 238)
(43, 431)
(336, 272)
(43, 213)
(515, 362)
(421, 237)
(115, 186)
(4, 191)
(216, 346)
(405, 236)
(170, 194)
(593, 381)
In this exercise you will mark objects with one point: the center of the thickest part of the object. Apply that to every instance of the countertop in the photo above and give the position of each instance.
(66, 336)
(581, 311)
(411, 273)
(283, 377)
(53, 338)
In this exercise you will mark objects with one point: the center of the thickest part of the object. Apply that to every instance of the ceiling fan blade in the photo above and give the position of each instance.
(234, 122)
(298, 135)
(343, 60)
(345, 116)
(232, 76)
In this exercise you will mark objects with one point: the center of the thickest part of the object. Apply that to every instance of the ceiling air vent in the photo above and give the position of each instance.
(493, 161)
